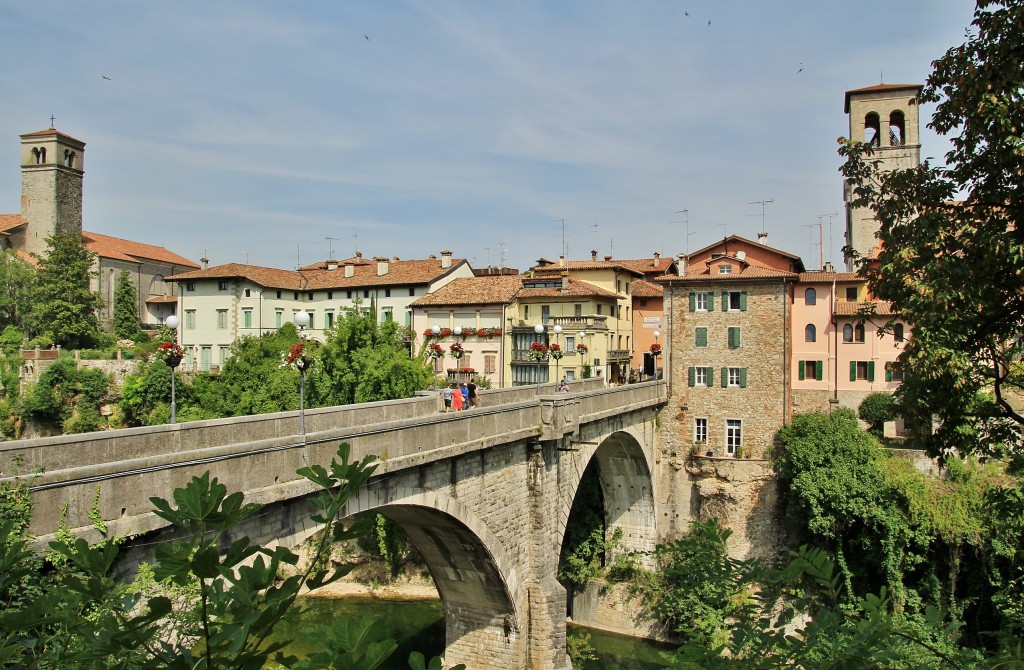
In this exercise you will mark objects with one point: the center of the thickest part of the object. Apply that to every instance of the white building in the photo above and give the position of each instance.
(220, 304)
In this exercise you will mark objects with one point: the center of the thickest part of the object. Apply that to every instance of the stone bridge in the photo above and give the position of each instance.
(484, 495)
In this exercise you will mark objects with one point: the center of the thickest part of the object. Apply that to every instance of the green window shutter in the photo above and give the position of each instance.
(711, 376)
(711, 301)
(692, 376)
(743, 301)
(743, 378)
(734, 337)
(725, 301)
(820, 371)
(801, 371)
(853, 371)
(702, 337)
(888, 372)
(725, 377)
(871, 371)
(693, 301)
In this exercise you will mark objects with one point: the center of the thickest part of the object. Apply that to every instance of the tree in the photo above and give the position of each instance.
(365, 361)
(877, 408)
(952, 268)
(16, 280)
(63, 305)
(126, 308)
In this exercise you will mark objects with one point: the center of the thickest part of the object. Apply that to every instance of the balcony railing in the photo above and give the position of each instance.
(569, 324)
(619, 355)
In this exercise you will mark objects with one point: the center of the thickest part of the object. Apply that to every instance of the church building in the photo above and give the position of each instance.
(52, 170)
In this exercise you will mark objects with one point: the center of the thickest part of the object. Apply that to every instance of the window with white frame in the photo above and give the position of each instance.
(278, 318)
(222, 319)
(703, 301)
(700, 430)
(222, 286)
(700, 377)
(725, 269)
(735, 375)
(190, 319)
(733, 435)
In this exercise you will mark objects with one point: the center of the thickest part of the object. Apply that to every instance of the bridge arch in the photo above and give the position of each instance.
(624, 467)
(481, 587)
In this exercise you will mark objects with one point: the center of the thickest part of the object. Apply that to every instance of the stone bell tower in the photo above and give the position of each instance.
(52, 167)
(885, 116)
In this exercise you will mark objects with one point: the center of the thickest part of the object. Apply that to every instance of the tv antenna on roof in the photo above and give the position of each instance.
(763, 232)
(685, 213)
(330, 247)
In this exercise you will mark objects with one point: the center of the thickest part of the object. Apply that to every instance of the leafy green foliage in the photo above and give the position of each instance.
(126, 308)
(63, 307)
(877, 408)
(965, 254)
(16, 281)
(67, 397)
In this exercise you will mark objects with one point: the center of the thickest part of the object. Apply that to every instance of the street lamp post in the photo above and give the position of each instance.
(558, 358)
(656, 352)
(302, 320)
(173, 322)
(435, 330)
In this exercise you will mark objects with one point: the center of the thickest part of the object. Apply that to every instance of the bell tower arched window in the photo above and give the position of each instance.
(39, 155)
(69, 158)
(897, 129)
(872, 128)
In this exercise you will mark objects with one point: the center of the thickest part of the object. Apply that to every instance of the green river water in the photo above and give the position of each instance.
(418, 625)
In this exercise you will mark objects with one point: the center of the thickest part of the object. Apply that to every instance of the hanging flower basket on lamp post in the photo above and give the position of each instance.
(538, 351)
(656, 349)
(456, 350)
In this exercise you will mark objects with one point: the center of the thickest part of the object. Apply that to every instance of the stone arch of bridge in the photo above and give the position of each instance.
(481, 587)
(625, 473)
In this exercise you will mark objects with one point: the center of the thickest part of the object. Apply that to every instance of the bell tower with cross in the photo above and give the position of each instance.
(52, 168)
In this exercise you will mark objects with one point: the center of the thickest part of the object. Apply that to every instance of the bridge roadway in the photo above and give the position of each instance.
(484, 494)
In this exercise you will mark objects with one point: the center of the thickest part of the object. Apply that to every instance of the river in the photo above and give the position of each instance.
(418, 625)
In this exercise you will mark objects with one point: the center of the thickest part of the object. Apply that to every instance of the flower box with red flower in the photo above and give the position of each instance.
(170, 353)
(582, 349)
(296, 358)
(656, 349)
(456, 350)
(446, 332)
(435, 350)
(481, 332)
(556, 352)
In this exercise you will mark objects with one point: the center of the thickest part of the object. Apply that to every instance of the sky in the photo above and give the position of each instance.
(283, 133)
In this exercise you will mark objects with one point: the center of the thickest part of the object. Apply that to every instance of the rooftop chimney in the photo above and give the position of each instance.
(446, 259)
(593, 254)
(561, 261)
(359, 254)
(762, 237)
(681, 264)
(565, 281)
(205, 261)
(332, 265)
(382, 265)
(607, 258)
(657, 258)
(350, 269)
(829, 267)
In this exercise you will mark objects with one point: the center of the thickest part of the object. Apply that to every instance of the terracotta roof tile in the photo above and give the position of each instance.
(880, 88)
(400, 273)
(133, 252)
(649, 266)
(863, 308)
(748, 273)
(162, 299)
(52, 131)
(9, 222)
(576, 289)
(556, 268)
(737, 238)
(645, 289)
(490, 290)
(827, 277)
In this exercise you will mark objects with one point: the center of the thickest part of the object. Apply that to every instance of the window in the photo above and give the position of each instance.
(733, 435)
(577, 310)
(223, 355)
(700, 430)
(247, 318)
(858, 332)
(529, 374)
(810, 333)
(190, 286)
(489, 364)
(851, 294)
(734, 337)
(248, 293)
(328, 320)
(190, 319)
(545, 313)
(205, 358)
(408, 318)
(348, 295)
(897, 332)
(599, 309)
(412, 292)
(896, 133)
(847, 333)
(309, 295)
(312, 319)
(701, 376)
(872, 129)
(295, 295)
(278, 295)
(862, 370)
(570, 375)
(570, 343)
(893, 372)
(701, 337)
(725, 269)
(387, 293)
(366, 293)
(222, 319)
(330, 295)
(734, 301)
(701, 301)
(526, 312)
(810, 297)
(278, 317)
(386, 316)
(222, 286)
(734, 377)
(811, 370)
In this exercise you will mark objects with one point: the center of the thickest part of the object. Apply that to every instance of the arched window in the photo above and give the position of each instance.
(69, 158)
(847, 333)
(897, 129)
(858, 332)
(810, 333)
(872, 127)
(810, 297)
(897, 332)
(39, 155)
